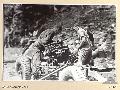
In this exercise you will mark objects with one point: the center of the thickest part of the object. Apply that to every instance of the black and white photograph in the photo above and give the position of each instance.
(49, 42)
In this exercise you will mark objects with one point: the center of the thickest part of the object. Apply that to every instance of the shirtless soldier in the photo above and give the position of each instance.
(77, 72)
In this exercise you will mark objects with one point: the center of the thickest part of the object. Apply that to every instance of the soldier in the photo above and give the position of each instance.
(77, 71)
(38, 47)
(83, 45)
(34, 52)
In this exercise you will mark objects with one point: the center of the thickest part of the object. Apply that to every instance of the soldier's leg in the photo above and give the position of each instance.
(88, 58)
(81, 58)
(84, 56)
(23, 67)
(36, 61)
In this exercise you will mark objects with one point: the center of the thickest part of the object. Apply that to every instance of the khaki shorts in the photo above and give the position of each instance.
(84, 56)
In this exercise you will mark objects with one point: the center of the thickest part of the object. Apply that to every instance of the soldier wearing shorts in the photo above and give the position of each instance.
(77, 72)
(35, 51)
(83, 45)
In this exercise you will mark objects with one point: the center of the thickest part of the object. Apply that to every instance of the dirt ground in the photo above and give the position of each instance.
(10, 55)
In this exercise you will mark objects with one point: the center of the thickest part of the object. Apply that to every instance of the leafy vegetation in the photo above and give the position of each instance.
(27, 18)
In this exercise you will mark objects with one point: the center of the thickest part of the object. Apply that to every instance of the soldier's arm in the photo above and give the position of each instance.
(82, 42)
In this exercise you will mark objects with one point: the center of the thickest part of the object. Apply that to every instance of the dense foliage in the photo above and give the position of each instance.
(26, 18)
